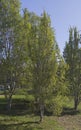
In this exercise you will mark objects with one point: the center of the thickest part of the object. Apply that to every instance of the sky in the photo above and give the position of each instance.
(63, 13)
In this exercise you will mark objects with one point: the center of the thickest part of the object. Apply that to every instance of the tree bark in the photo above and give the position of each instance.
(41, 112)
(75, 103)
(9, 104)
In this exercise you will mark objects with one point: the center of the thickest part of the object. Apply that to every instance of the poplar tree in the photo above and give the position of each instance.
(72, 53)
(43, 60)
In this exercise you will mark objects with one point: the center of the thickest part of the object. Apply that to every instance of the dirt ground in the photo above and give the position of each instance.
(70, 122)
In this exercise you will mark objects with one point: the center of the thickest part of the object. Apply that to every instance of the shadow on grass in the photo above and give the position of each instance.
(70, 111)
(21, 126)
(19, 107)
(14, 111)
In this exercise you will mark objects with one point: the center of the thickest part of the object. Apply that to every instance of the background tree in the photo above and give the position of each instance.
(72, 53)
(9, 18)
(60, 90)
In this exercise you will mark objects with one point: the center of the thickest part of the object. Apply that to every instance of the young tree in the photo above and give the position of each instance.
(72, 53)
(60, 90)
(42, 54)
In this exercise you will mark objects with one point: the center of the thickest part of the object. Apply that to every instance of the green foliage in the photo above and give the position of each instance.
(43, 60)
(72, 54)
(8, 24)
(30, 57)
(60, 90)
(56, 104)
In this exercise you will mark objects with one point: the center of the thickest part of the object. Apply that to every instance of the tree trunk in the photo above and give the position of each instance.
(41, 112)
(9, 104)
(75, 103)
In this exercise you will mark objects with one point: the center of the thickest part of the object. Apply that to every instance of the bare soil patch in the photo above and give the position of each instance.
(70, 122)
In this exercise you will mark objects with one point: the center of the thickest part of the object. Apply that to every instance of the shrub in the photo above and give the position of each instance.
(56, 104)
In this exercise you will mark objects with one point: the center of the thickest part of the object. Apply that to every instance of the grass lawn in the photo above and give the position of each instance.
(22, 119)
(28, 122)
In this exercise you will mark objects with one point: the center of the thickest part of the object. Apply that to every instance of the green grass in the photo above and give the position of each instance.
(19, 96)
(28, 122)
(21, 118)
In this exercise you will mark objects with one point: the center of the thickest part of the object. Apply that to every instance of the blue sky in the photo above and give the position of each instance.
(63, 14)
